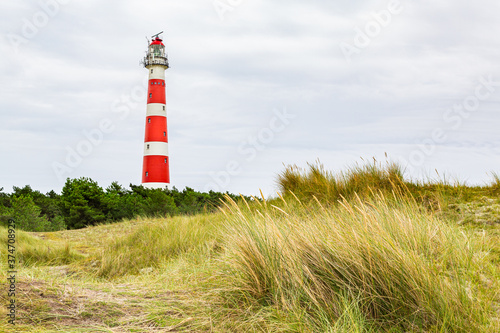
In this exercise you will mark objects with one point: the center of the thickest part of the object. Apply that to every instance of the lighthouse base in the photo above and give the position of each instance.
(153, 186)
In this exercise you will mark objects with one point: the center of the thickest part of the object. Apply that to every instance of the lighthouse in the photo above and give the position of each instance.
(155, 165)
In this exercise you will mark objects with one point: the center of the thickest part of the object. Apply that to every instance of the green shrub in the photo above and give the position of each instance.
(27, 214)
(82, 203)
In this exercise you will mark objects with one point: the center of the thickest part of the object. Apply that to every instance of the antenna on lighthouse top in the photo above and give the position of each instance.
(156, 36)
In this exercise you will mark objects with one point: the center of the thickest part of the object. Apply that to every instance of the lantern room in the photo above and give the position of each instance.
(156, 54)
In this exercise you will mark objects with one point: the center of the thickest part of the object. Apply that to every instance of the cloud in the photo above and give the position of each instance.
(228, 76)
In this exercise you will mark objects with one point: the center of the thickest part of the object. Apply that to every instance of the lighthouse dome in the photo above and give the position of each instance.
(157, 41)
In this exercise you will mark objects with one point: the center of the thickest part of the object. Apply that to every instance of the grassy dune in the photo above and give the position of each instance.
(361, 265)
(359, 251)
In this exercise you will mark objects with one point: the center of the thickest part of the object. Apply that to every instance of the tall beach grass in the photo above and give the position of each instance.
(361, 266)
(358, 180)
(365, 179)
(33, 251)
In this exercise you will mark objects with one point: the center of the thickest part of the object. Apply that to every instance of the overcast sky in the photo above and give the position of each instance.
(253, 86)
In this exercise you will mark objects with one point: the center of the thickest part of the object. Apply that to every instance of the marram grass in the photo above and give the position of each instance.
(33, 251)
(358, 180)
(156, 242)
(364, 265)
(316, 183)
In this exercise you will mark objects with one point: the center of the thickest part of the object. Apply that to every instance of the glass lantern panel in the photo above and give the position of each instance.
(157, 51)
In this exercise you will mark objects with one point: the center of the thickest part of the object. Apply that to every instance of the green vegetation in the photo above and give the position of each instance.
(363, 250)
(33, 251)
(165, 240)
(385, 262)
(84, 203)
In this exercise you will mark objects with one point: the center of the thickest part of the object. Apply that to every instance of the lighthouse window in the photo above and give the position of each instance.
(150, 95)
(147, 146)
(163, 107)
(149, 120)
(147, 173)
(151, 71)
(165, 160)
(164, 133)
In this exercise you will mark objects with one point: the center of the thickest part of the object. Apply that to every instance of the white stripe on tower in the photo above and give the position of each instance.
(155, 148)
(156, 109)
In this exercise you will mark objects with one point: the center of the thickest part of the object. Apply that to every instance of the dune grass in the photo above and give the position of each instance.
(372, 265)
(31, 250)
(358, 180)
(155, 242)
(363, 180)
(496, 181)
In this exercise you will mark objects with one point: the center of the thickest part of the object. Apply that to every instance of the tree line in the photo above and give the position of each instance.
(83, 202)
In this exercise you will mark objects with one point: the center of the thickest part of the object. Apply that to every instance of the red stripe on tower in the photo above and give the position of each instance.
(156, 91)
(156, 129)
(155, 165)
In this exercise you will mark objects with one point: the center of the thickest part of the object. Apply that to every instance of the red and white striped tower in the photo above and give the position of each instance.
(155, 170)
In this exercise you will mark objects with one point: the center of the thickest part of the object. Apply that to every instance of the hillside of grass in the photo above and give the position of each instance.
(362, 250)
